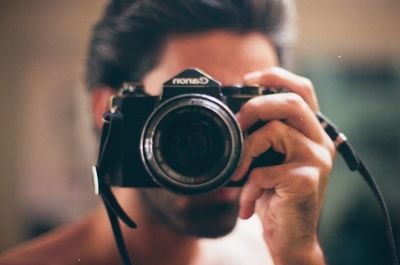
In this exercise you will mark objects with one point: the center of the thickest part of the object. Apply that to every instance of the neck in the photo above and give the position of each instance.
(152, 242)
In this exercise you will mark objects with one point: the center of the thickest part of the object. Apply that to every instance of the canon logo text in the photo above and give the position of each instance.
(190, 81)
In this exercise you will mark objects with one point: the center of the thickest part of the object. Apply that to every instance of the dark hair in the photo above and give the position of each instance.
(127, 41)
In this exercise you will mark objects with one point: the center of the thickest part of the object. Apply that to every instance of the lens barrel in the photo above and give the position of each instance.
(191, 144)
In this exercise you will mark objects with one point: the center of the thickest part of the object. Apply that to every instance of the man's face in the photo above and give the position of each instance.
(227, 57)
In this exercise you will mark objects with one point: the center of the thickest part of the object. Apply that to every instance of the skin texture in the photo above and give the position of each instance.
(287, 198)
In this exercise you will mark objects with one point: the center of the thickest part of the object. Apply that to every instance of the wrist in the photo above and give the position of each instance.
(305, 254)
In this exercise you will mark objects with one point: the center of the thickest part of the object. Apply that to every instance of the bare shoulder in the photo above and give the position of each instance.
(245, 245)
(58, 247)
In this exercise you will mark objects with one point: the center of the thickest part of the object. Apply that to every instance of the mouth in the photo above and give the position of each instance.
(221, 195)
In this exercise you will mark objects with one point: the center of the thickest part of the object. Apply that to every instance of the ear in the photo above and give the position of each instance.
(101, 103)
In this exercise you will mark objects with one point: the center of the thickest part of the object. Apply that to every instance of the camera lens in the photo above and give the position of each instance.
(191, 144)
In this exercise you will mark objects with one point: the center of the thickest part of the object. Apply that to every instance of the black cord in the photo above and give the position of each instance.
(111, 129)
(363, 170)
(119, 239)
(354, 163)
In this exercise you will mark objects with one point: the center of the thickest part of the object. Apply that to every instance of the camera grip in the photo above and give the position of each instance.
(268, 158)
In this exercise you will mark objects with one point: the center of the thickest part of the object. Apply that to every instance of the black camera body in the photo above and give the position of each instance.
(186, 140)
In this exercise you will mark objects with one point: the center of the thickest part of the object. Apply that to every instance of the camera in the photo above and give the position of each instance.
(187, 139)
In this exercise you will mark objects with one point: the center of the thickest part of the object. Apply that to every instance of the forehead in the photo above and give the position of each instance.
(226, 56)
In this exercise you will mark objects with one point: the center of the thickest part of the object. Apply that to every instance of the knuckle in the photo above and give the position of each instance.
(311, 153)
(331, 149)
(326, 163)
(307, 85)
(316, 174)
(323, 159)
(308, 183)
(274, 126)
(295, 101)
(275, 70)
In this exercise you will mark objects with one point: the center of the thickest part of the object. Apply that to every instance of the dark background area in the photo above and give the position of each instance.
(349, 49)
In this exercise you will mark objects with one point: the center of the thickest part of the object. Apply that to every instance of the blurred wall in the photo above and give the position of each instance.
(46, 140)
(357, 29)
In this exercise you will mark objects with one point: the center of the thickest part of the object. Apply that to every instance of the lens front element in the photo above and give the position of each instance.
(191, 141)
(191, 144)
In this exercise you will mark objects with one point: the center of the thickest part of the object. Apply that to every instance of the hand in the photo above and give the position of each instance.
(287, 197)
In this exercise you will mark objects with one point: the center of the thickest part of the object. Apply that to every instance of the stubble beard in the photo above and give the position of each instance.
(203, 219)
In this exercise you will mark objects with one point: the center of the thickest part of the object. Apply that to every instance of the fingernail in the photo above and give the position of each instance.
(244, 214)
(236, 176)
(240, 120)
(241, 214)
(238, 117)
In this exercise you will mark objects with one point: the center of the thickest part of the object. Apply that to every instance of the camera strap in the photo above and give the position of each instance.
(355, 163)
(112, 128)
(109, 145)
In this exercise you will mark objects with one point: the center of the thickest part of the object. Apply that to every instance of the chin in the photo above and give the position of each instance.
(210, 232)
(210, 220)
(207, 216)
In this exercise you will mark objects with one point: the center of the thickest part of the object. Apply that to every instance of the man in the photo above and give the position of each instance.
(236, 42)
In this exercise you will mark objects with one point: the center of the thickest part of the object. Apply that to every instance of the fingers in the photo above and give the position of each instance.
(288, 196)
(259, 181)
(288, 107)
(304, 170)
(295, 109)
(279, 77)
(256, 144)
(291, 184)
(284, 139)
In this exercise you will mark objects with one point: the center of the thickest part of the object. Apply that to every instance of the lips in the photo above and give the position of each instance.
(221, 195)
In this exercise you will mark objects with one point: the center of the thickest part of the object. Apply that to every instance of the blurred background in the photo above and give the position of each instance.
(349, 49)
